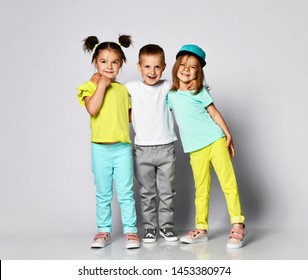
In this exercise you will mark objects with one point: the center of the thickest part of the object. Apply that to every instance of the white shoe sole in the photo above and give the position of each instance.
(99, 244)
(235, 245)
(132, 245)
(191, 241)
(149, 240)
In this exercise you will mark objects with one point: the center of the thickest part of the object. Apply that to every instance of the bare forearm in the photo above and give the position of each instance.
(221, 122)
(95, 102)
(217, 117)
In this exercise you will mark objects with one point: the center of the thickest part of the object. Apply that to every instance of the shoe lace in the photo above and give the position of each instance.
(168, 232)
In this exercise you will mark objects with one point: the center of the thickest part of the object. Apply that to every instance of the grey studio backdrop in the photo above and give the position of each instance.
(257, 68)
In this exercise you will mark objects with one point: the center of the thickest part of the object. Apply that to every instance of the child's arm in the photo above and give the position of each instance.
(217, 117)
(130, 115)
(94, 102)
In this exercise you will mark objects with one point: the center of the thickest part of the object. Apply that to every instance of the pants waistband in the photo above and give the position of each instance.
(155, 146)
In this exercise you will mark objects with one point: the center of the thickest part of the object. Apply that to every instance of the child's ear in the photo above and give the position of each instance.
(139, 66)
(164, 66)
(95, 63)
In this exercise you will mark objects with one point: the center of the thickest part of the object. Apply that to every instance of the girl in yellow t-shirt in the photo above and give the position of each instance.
(107, 102)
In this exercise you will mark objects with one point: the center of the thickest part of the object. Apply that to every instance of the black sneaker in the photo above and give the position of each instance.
(168, 234)
(149, 236)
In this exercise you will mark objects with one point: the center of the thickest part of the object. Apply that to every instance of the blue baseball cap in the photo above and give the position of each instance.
(195, 51)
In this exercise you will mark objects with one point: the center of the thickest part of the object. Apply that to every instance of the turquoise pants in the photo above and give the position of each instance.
(112, 164)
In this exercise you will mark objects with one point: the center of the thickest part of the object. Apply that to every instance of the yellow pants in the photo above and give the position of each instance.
(216, 155)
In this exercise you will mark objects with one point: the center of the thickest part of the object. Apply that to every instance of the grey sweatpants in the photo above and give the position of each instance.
(155, 171)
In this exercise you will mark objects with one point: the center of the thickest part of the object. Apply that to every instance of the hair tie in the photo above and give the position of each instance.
(95, 46)
(119, 44)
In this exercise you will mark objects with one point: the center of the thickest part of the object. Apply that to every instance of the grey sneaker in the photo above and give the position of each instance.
(168, 234)
(101, 240)
(149, 236)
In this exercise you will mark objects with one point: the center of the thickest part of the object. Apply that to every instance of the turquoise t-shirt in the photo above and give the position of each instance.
(197, 128)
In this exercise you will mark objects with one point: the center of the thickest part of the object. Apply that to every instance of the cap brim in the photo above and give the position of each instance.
(202, 61)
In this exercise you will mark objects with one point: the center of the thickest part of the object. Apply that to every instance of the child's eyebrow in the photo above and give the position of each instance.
(101, 59)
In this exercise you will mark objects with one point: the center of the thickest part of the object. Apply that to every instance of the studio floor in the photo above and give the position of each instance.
(261, 244)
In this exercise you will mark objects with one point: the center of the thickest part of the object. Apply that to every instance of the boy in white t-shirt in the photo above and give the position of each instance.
(154, 153)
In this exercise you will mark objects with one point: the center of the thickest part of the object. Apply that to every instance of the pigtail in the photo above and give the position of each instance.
(125, 40)
(90, 43)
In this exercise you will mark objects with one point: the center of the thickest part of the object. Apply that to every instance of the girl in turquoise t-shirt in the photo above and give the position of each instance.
(207, 139)
(108, 104)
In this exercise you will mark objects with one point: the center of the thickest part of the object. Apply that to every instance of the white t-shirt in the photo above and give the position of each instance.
(152, 120)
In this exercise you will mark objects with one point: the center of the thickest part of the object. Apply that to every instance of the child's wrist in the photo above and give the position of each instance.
(101, 86)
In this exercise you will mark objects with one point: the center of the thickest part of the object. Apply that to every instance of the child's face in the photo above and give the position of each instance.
(188, 69)
(151, 68)
(108, 63)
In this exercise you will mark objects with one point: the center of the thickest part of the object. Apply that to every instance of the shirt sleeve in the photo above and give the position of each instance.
(206, 98)
(130, 87)
(168, 84)
(129, 90)
(86, 89)
(129, 103)
(169, 101)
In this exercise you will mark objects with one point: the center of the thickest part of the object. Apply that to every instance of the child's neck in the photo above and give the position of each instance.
(186, 87)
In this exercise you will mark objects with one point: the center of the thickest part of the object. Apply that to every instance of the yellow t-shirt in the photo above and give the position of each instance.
(111, 123)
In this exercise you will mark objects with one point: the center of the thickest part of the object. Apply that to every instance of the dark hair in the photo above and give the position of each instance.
(92, 43)
(175, 80)
(152, 49)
